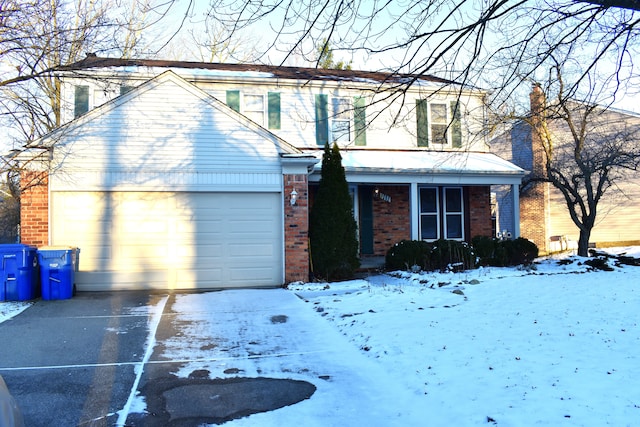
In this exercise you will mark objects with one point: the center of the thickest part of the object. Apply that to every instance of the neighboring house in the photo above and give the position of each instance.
(544, 215)
(196, 175)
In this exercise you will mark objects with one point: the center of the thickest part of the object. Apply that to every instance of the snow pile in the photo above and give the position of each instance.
(9, 309)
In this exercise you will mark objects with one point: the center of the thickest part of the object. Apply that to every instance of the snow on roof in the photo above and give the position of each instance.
(201, 72)
(426, 161)
(93, 62)
(465, 165)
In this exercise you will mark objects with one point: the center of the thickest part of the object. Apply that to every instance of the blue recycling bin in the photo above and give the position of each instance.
(58, 265)
(19, 275)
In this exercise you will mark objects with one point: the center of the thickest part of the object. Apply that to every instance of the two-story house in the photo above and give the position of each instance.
(174, 174)
(544, 212)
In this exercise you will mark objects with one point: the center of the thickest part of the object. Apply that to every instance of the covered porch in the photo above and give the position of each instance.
(421, 195)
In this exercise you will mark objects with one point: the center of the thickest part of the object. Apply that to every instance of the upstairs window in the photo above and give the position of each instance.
(340, 119)
(255, 108)
(438, 124)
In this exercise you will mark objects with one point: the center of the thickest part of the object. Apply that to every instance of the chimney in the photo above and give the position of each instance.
(537, 101)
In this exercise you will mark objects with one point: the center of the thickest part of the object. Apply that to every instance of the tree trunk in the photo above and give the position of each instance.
(583, 242)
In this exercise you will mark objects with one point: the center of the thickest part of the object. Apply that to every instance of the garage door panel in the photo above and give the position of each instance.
(184, 240)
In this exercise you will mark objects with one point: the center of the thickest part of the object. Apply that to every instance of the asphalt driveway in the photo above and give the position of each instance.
(73, 362)
(189, 359)
(84, 362)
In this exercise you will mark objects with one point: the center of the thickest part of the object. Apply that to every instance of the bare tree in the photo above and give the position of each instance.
(211, 44)
(39, 36)
(588, 152)
(496, 44)
(36, 38)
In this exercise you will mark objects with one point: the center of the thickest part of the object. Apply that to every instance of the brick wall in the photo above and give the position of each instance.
(534, 205)
(479, 211)
(391, 221)
(34, 209)
(296, 229)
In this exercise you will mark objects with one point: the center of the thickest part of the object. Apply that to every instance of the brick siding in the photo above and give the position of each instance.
(296, 229)
(34, 209)
(534, 205)
(479, 202)
(391, 221)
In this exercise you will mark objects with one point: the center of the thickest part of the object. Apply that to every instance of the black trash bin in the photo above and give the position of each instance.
(58, 265)
(19, 275)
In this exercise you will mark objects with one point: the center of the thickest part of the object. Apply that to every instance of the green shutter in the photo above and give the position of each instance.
(360, 120)
(422, 112)
(456, 127)
(233, 100)
(81, 100)
(273, 109)
(322, 120)
(124, 89)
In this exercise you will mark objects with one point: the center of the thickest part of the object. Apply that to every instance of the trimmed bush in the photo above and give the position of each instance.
(521, 251)
(451, 255)
(443, 255)
(504, 253)
(408, 253)
(485, 248)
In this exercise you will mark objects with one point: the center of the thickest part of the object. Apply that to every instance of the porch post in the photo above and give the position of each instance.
(515, 193)
(415, 211)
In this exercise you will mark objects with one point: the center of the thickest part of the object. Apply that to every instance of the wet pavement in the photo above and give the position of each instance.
(80, 362)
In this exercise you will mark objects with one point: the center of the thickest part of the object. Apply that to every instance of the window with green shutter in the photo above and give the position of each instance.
(273, 110)
(322, 119)
(422, 122)
(124, 89)
(438, 124)
(233, 100)
(81, 100)
(456, 127)
(360, 121)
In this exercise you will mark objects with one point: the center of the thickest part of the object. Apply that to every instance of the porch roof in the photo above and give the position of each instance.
(422, 166)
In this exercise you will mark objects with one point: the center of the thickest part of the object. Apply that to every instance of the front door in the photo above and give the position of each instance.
(365, 197)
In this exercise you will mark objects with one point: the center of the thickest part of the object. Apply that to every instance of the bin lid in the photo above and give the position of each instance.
(15, 247)
(57, 248)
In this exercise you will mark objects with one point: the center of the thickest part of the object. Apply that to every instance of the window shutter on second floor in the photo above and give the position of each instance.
(81, 100)
(360, 120)
(273, 110)
(233, 100)
(422, 114)
(456, 127)
(322, 119)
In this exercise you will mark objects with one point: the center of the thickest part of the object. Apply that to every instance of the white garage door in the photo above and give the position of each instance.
(159, 240)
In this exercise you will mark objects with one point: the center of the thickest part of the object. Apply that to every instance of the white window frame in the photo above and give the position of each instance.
(436, 213)
(441, 214)
(434, 137)
(341, 116)
(253, 113)
(446, 213)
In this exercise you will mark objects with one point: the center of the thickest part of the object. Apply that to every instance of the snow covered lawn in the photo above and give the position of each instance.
(557, 345)
(552, 346)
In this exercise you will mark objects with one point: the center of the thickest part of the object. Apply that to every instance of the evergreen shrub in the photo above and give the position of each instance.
(406, 254)
(504, 253)
(443, 255)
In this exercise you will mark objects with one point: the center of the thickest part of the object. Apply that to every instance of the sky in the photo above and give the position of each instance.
(383, 31)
